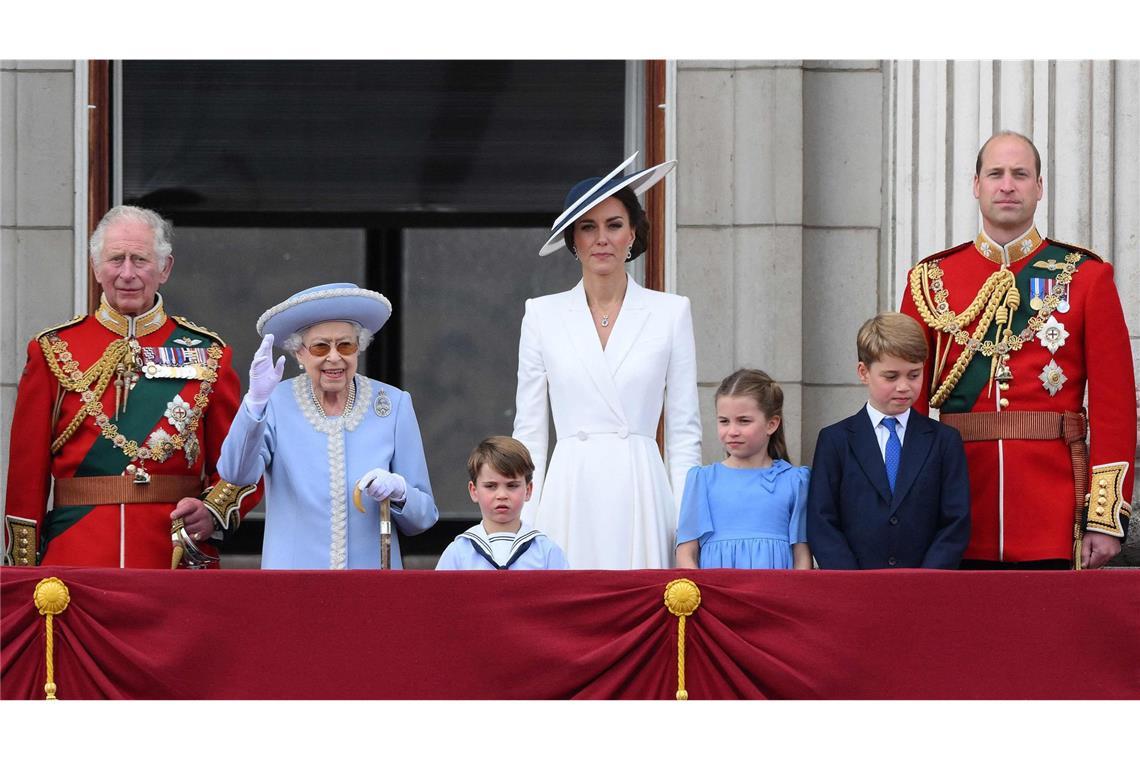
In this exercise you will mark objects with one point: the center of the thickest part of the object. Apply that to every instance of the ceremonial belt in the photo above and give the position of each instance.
(1035, 426)
(121, 489)
(1019, 426)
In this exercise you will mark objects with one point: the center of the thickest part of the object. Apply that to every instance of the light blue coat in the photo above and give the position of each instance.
(311, 464)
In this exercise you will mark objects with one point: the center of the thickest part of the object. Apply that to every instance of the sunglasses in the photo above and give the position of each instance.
(344, 348)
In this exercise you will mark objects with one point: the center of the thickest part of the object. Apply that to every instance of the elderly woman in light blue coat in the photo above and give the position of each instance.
(323, 434)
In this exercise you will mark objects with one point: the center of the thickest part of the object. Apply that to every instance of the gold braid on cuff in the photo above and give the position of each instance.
(20, 540)
(1107, 506)
(224, 502)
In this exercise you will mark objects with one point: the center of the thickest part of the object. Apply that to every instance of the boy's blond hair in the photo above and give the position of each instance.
(891, 334)
(504, 455)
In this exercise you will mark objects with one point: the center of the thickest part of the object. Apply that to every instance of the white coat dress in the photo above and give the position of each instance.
(605, 497)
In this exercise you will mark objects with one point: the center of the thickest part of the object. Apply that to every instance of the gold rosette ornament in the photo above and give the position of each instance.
(682, 598)
(51, 597)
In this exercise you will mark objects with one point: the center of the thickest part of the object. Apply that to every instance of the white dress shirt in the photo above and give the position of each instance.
(882, 432)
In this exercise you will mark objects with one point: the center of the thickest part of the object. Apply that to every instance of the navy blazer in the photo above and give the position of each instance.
(853, 519)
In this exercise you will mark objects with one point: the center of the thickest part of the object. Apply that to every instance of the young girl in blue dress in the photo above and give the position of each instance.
(748, 511)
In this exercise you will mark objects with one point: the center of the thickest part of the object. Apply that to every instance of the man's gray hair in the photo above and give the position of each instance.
(162, 229)
(293, 343)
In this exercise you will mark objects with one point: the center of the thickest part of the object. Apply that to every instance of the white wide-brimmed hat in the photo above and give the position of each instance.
(590, 192)
(334, 302)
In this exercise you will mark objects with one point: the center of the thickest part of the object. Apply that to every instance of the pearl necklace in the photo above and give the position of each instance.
(347, 404)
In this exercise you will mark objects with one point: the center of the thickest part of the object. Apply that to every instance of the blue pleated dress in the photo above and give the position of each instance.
(745, 518)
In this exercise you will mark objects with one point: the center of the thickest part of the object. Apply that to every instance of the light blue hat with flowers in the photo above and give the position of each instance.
(333, 302)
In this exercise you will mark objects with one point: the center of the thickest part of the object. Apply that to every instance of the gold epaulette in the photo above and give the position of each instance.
(224, 502)
(1077, 249)
(1106, 499)
(947, 252)
(198, 328)
(73, 321)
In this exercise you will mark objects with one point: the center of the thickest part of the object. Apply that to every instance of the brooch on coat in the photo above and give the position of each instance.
(383, 405)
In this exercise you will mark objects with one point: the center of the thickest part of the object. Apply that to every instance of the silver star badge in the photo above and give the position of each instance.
(1052, 334)
(178, 413)
(1052, 377)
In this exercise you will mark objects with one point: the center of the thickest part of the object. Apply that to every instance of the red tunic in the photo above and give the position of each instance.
(1022, 491)
(110, 535)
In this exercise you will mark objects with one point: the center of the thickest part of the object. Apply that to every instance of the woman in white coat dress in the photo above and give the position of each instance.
(609, 355)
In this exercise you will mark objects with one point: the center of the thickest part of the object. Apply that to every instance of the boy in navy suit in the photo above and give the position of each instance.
(889, 485)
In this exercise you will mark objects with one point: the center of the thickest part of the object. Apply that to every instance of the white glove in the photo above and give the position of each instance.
(264, 376)
(381, 484)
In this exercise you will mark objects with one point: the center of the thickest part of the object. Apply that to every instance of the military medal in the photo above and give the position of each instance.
(1003, 374)
(1063, 305)
(1039, 288)
(139, 473)
(177, 363)
(190, 448)
(160, 445)
(1052, 334)
(383, 405)
(1052, 377)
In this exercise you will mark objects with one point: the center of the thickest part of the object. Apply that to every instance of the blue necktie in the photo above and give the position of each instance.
(894, 450)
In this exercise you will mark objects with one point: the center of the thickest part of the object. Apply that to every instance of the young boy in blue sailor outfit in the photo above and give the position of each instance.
(501, 469)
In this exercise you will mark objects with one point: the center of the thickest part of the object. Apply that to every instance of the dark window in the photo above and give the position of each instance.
(434, 182)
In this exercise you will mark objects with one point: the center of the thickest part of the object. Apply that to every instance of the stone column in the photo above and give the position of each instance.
(843, 218)
(37, 200)
(740, 225)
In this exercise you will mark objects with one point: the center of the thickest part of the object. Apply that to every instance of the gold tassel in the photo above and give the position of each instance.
(51, 597)
(682, 598)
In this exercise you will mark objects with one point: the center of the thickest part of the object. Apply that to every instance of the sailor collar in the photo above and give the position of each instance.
(131, 327)
(481, 541)
(1015, 250)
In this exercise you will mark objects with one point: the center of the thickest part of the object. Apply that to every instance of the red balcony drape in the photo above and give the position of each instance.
(587, 634)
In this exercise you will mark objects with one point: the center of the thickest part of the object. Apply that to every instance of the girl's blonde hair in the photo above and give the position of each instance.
(766, 392)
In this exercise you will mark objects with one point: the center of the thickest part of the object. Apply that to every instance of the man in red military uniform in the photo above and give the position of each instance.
(125, 410)
(1018, 325)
